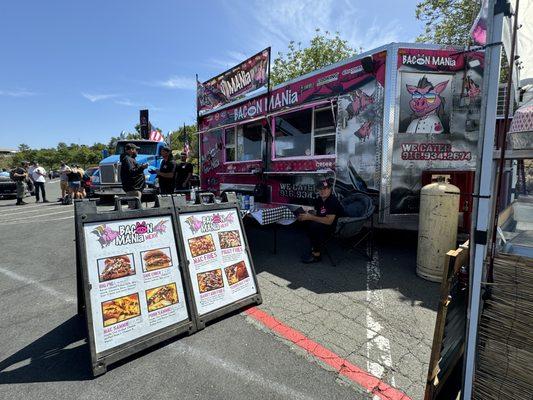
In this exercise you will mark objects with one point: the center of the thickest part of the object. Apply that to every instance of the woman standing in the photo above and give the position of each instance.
(74, 182)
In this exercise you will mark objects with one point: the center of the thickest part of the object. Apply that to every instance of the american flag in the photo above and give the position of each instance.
(156, 136)
(186, 148)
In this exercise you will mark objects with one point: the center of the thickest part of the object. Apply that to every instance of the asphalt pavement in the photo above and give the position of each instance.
(44, 355)
(377, 315)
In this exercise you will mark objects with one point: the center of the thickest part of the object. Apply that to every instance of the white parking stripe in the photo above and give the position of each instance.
(26, 280)
(14, 207)
(35, 216)
(377, 346)
(35, 221)
(279, 390)
(40, 209)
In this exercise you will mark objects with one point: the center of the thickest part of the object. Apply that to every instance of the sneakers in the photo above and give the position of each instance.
(310, 258)
(46, 201)
(20, 203)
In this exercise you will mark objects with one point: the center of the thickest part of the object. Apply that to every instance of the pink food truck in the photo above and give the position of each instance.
(375, 123)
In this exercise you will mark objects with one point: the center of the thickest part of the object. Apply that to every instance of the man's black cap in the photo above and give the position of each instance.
(324, 184)
(131, 146)
(167, 149)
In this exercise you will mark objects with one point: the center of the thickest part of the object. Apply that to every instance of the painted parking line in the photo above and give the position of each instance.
(352, 372)
(29, 281)
(36, 221)
(34, 210)
(35, 217)
(240, 371)
(377, 346)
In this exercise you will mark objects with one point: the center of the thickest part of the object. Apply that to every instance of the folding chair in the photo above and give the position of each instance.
(358, 208)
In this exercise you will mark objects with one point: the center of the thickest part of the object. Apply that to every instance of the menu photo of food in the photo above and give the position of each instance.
(201, 245)
(120, 309)
(115, 267)
(210, 280)
(229, 239)
(162, 296)
(156, 259)
(236, 272)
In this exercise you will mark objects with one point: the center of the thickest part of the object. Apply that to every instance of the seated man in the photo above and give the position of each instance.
(321, 225)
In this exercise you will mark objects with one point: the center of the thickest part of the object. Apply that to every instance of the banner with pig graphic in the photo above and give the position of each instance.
(437, 124)
(359, 127)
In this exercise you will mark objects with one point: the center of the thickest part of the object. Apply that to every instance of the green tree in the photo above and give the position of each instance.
(446, 21)
(449, 21)
(323, 50)
(177, 141)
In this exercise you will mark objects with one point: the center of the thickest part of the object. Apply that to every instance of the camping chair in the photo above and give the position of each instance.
(359, 209)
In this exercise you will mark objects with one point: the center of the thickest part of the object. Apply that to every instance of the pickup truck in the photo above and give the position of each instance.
(149, 153)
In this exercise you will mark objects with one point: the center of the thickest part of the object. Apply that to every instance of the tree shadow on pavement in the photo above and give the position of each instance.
(394, 254)
(56, 356)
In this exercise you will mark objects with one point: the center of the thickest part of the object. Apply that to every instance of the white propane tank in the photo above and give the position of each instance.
(437, 228)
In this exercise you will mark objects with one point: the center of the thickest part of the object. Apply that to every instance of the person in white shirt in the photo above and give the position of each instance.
(38, 176)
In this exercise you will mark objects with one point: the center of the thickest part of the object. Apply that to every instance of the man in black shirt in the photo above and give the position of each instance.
(320, 225)
(166, 172)
(183, 173)
(132, 173)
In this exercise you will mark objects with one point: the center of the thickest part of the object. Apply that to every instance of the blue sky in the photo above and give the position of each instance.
(79, 71)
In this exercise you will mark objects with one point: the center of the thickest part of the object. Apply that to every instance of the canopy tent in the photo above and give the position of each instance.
(521, 132)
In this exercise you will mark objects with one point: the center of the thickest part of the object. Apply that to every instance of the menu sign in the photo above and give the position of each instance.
(218, 262)
(135, 281)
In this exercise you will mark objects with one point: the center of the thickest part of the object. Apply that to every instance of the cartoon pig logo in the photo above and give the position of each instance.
(216, 219)
(426, 104)
(141, 228)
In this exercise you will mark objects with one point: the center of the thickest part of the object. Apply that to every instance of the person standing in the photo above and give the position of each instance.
(74, 182)
(183, 173)
(29, 180)
(63, 179)
(20, 175)
(131, 172)
(166, 172)
(38, 176)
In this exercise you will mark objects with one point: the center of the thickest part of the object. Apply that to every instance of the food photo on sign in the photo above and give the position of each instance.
(156, 259)
(115, 267)
(120, 309)
(162, 296)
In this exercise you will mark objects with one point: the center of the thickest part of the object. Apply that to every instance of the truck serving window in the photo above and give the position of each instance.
(145, 147)
(324, 130)
(249, 142)
(229, 137)
(293, 134)
(309, 132)
(244, 142)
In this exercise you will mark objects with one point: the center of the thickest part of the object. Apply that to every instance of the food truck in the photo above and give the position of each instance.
(384, 122)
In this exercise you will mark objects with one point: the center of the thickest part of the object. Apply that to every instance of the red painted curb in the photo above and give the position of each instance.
(343, 367)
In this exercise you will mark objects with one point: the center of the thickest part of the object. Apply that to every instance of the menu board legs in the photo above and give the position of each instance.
(144, 276)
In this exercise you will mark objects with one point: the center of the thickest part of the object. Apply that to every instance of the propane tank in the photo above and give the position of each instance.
(437, 228)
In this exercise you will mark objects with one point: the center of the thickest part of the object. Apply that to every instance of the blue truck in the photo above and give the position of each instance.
(149, 152)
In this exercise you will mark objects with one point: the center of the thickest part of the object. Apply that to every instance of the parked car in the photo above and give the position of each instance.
(91, 181)
(8, 188)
